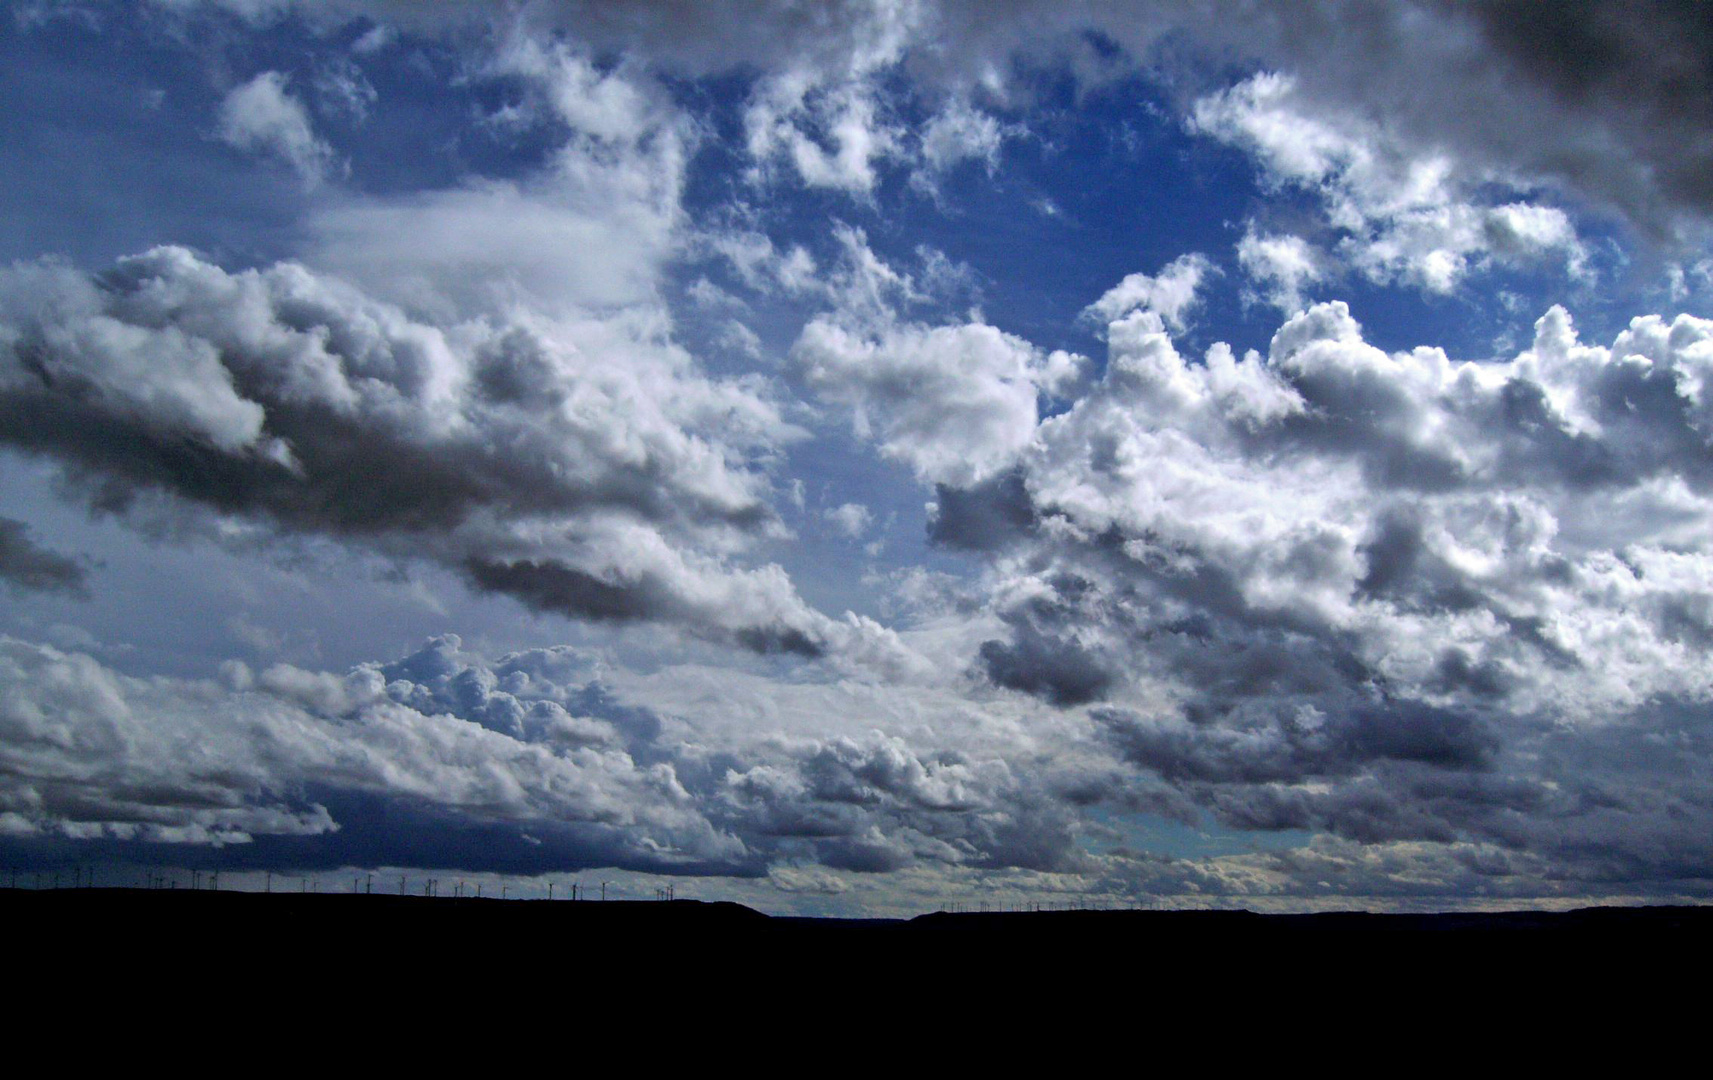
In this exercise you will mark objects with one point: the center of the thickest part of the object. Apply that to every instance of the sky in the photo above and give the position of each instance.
(861, 458)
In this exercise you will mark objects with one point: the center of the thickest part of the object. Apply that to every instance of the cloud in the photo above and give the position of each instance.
(822, 109)
(26, 565)
(342, 88)
(851, 519)
(1283, 266)
(519, 454)
(1334, 874)
(93, 754)
(955, 402)
(589, 231)
(1053, 666)
(1350, 591)
(1170, 294)
(1601, 100)
(445, 759)
(959, 132)
(1452, 616)
(1606, 103)
(873, 805)
(262, 116)
(784, 122)
(1404, 214)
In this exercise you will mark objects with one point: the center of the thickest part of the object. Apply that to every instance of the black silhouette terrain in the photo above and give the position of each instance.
(298, 938)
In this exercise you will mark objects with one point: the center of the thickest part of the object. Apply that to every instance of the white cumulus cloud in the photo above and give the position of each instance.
(263, 116)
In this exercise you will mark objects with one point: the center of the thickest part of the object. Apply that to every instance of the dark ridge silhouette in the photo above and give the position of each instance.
(430, 974)
(190, 921)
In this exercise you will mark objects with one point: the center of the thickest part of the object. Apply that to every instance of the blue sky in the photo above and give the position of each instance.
(854, 458)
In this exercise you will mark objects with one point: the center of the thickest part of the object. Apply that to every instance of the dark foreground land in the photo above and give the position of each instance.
(167, 968)
(290, 978)
(282, 932)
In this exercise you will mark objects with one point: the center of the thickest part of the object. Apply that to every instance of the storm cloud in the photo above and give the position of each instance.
(24, 564)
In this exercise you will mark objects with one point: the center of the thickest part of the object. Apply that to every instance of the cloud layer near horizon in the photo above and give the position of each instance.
(1387, 597)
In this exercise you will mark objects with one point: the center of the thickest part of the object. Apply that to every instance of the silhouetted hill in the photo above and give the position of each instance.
(189, 923)
(536, 962)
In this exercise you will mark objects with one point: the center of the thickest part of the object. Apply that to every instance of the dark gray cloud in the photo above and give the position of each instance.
(985, 517)
(1605, 102)
(1048, 662)
(646, 597)
(591, 473)
(25, 564)
(1308, 746)
(1642, 73)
